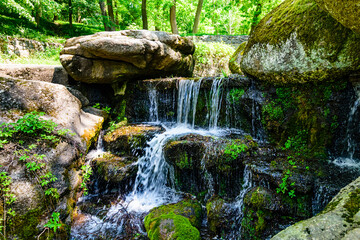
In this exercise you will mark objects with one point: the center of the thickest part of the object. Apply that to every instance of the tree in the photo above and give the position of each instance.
(70, 13)
(174, 28)
(104, 15)
(111, 15)
(197, 16)
(144, 14)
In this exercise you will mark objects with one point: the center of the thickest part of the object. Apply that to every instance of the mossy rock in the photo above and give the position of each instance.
(299, 42)
(234, 62)
(175, 221)
(114, 169)
(346, 12)
(129, 140)
(340, 217)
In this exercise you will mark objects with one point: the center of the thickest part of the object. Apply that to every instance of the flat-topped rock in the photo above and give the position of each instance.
(45, 73)
(130, 140)
(109, 57)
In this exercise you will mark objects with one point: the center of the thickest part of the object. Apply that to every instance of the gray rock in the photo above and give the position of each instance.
(109, 57)
(337, 221)
(17, 96)
(46, 73)
(280, 51)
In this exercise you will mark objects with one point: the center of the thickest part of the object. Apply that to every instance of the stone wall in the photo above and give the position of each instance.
(231, 40)
(24, 47)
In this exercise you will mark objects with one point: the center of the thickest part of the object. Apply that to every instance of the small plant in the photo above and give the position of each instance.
(105, 109)
(8, 199)
(235, 95)
(86, 174)
(54, 222)
(235, 149)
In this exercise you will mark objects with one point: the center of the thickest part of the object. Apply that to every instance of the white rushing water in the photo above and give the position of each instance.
(215, 103)
(153, 185)
(154, 106)
(187, 100)
(349, 160)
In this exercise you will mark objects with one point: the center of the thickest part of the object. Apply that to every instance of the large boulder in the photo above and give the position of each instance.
(109, 57)
(42, 160)
(339, 220)
(299, 42)
(346, 12)
(20, 96)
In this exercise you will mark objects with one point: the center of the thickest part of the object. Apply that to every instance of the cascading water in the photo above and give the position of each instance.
(187, 100)
(153, 97)
(349, 159)
(215, 104)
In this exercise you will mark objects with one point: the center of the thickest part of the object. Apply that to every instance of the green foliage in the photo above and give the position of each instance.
(105, 109)
(8, 199)
(210, 55)
(29, 128)
(54, 222)
(235, 149)
(235, 95)
(86, 174)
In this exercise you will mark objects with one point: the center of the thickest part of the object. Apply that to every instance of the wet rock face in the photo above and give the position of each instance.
(174, 221)
(346, 12)
(109, 57)
(318, 50)
(339, 220)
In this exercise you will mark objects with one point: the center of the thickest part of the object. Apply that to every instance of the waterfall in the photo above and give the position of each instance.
(187, 100)
(352, 130)
(239, 204)
(215, 104)
(154, 109)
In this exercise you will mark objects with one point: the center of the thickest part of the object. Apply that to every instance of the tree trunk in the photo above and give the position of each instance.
(173, 24)
(70, 13)
(111, 14)
(144, 15)
(116, 15)
(104, 15)
(197, 16)
(37, 14)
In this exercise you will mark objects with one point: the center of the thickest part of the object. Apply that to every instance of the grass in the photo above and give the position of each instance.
(56, 32)
(49, 57)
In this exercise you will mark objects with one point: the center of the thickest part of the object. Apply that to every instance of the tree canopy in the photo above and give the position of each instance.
(230, 17)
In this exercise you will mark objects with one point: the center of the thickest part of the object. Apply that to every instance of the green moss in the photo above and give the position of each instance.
(214, 208)
(25, 226)
(180, 221)
(331, 49)
(299, 117)
(190, 209)
(170, 226)
(234, 65)
(352, 205)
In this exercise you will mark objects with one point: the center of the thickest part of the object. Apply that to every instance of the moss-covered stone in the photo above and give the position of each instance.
(114, 169)
(129, 140)
(174, 221)
(338, 218)
(346, 12)
(298, 42)
(234, 62)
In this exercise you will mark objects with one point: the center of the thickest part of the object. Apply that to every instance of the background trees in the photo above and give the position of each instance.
(182, 16)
